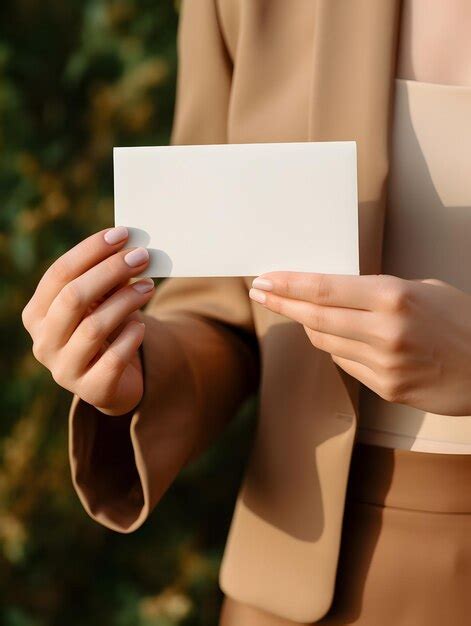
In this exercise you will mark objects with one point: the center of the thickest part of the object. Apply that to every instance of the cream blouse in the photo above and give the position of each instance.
(427, 235)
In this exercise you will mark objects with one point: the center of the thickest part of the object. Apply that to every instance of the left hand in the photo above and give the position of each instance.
(409, 341)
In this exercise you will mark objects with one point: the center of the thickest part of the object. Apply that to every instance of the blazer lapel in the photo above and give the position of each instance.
(352, 76)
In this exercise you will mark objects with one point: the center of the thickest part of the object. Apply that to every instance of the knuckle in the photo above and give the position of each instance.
(316, 319)
(316, 338)
(59, 374)
(394, 389)
(60, 270)
(389, 363)
(395, 339)
(92, 328)
(321, 288)
(39, 350)
(128, 298)
(88, 247)
(395, 293)
(26, 316)
(284, 284)
(70, 297)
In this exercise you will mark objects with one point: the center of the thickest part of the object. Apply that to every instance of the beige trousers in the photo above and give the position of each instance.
(406, 548)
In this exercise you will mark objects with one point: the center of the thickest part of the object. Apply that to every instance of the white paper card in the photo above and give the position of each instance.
(241, 209)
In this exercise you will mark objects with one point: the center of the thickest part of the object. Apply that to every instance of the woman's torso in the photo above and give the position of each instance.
(428, 220)
(285, 88)
(427, 234)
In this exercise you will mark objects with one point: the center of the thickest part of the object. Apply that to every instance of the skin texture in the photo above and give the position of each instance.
(435, 42)
(408, 341)
(85, 324)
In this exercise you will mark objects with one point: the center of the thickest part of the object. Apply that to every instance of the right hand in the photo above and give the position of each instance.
(85, 323)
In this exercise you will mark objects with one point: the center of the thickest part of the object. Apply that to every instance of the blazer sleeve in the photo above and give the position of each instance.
(199, 354)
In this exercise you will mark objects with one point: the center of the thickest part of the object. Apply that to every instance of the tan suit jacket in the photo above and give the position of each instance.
(255, 71)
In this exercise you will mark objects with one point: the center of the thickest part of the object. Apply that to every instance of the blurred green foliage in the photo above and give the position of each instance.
(76, 79)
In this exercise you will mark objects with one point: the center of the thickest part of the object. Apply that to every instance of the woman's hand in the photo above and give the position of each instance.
(84, 321)
(409, 341)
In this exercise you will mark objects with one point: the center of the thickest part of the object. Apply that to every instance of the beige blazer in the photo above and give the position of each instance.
(255, 71)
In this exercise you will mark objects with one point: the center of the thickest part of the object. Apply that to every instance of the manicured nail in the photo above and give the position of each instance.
(262, 283)
(115, 235)
(136, 257)
(144, 286)
(258, 296)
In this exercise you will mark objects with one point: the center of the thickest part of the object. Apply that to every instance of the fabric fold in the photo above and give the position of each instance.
(122, 465)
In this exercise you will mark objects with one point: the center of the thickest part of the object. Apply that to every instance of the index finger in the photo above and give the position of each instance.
(340, 290)
(74, 263)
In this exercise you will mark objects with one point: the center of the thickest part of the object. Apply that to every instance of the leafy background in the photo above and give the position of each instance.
(77, 78)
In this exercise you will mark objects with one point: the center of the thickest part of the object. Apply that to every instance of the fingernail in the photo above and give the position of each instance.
(258, 296)
(144, 286)
(262, 283)
(136, 257)
(115, 235)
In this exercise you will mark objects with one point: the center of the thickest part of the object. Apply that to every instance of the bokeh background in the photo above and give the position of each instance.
(78, 77)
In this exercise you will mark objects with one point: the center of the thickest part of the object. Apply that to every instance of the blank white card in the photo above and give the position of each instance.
(241, 209)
